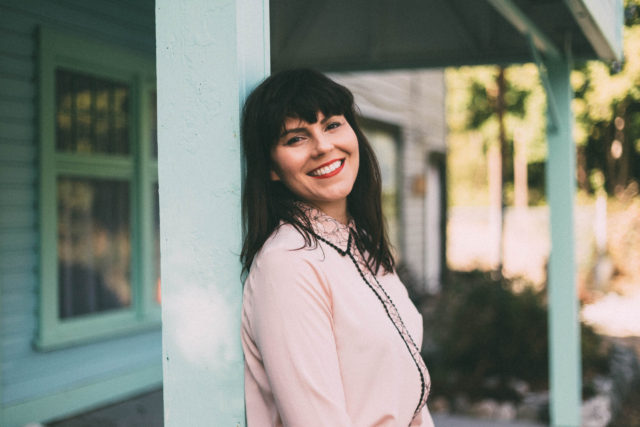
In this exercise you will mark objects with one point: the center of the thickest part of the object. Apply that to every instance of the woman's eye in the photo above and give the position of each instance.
(293, 140)
(333, 125)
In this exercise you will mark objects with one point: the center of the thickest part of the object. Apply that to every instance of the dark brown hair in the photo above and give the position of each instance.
(301, 94)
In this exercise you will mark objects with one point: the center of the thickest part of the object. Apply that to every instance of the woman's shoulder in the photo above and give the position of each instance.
(285, 260)
(286, 244)
(285, 236)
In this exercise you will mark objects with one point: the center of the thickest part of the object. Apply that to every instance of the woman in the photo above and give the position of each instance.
(329, 334)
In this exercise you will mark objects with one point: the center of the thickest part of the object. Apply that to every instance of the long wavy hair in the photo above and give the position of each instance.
(301, 94)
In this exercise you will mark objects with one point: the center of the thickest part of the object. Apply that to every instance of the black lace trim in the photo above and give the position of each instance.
(395, 318)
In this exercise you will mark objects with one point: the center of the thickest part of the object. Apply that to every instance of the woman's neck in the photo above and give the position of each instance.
(337, 210)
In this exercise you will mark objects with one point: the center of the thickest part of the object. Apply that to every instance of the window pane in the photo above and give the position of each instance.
(94, 245)
(153, 121)
(92, 114)
(156, 242)
(386, 149)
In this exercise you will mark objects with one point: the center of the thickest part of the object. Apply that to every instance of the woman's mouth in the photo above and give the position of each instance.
(328, 169)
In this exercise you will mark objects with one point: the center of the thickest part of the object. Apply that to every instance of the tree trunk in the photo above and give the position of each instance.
(500, 111)
(520, 190)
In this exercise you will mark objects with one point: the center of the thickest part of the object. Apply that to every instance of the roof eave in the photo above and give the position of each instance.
(601, 23)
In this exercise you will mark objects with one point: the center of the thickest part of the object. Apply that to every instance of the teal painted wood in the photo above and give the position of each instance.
(21, 110)
(27, 378)
(17, 217)
(18, 131)
(16, 88)
(18, 324)
(16, 197)
(10, 42)
(18, 261)
(17, 175)
(38, 386)
(208, 56)
(16, 281)
(16, 238)
(83, 397)
(83, 21)
(143, 20)
(564, 324)
(14, 151)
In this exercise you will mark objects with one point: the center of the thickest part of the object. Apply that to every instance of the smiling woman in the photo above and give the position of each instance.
(329, 334)
(318, 162)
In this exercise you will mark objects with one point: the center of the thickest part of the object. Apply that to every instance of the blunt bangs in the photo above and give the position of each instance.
(301, 94)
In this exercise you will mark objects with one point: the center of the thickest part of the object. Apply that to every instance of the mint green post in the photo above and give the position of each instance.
(209, 55)
(564, 324)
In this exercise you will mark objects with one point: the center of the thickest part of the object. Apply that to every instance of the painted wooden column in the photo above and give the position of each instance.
(564, 324)
(209, 55)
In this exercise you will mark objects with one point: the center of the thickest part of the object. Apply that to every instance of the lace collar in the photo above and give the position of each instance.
(327, 227)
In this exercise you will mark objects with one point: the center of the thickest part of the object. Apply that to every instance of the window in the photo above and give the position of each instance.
(99, 225)
(383, 140)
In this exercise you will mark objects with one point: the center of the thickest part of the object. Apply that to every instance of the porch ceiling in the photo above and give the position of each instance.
(340, 35)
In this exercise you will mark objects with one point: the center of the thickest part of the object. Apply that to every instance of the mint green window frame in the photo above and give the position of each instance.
(102, 60)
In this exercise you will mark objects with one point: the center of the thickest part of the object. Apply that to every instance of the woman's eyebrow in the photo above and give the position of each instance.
(304, 129)
(293, 130)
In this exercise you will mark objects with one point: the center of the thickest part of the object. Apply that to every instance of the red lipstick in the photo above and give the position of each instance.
(329, 174)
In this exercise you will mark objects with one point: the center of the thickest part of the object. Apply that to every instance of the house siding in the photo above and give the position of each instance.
(413, 101)
(25, 373)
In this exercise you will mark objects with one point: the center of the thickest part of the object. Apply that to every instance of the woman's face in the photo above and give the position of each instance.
(318, 162)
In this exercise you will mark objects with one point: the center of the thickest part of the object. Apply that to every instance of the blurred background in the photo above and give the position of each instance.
(462, 152)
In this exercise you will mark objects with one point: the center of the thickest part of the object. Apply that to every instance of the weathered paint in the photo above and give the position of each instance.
(564, 324)
(209, 55)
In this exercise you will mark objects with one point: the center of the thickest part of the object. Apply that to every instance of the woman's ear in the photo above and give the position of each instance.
(274, 176)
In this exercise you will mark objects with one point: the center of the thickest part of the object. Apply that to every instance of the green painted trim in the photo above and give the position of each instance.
(98, 166)
(92, 328)
(147, 176)
(83, 398)
(57, 49)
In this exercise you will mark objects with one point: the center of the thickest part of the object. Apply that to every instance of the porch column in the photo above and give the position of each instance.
(209, 55)
(564, 325)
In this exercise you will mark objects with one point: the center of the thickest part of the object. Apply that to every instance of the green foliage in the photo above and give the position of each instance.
(485, 334)
(483, 103)
(607, 120)
(473, 125)
(607, 110)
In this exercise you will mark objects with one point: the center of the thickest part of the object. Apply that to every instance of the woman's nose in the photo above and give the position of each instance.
(323, 144)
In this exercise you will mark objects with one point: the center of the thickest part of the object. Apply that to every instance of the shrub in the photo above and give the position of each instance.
(485, 335)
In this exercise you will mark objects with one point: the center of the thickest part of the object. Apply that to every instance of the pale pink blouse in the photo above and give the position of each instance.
(326, 343)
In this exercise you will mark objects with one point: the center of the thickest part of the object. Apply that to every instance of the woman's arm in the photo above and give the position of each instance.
(289, 312)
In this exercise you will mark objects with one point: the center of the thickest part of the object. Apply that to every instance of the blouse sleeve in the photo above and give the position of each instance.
(291, 321)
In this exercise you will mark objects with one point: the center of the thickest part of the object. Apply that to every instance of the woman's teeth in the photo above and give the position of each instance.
(327, 169)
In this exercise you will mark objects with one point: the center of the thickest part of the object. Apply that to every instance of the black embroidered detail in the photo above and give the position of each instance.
(325, 227)
(392, 312)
